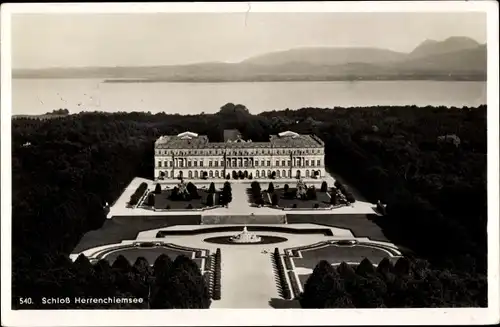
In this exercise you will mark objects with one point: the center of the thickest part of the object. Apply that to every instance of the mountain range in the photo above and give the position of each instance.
(456, 58)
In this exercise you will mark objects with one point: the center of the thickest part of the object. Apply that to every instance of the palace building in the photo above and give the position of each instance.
(192, 156)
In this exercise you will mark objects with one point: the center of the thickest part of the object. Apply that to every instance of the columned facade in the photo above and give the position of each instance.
(191, 156)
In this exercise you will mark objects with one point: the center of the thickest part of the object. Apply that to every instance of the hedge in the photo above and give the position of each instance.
(134, 198)
(217, 276)
(282, 275)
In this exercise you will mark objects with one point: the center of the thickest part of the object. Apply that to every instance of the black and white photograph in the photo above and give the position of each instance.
(279, 157)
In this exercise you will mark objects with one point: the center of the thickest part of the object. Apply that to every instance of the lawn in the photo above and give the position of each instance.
(150, 254)
(163, 200)
(122, 228)
(361, 225)
(322, 199)
(335, 255)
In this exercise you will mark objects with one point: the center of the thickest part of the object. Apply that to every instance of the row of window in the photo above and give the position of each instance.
(258, 174)
(238, 153)
(245, 163)
(195, 174)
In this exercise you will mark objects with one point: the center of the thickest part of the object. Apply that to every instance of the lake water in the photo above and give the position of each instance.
(37, 96)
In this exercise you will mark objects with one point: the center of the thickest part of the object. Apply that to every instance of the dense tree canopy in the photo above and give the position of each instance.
(435, 191)
(406, 284)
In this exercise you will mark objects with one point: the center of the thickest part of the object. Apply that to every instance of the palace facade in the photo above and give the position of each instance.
(192, 156)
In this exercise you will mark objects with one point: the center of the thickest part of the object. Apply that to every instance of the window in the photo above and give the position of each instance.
(284, 173)
(170, 163)
(278, 173)
(211, 173)
(181, 163)
(262, 163)
(256, 163)
(195, 173)
(289, 162)
(269, 163)
(307, 173)
(159, 163)
(201, 163)
(263, 174)
(313, 163)
(257, 173)
(210, 163)
(307, 162)
(189, 163)
(190, 174)
(318, 162)
(283, 163)
(195, 163)
(277, 162)
(217, 173)
(165, 163)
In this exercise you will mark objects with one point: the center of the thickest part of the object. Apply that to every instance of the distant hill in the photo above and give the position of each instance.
(452, 44)
(456, 58)
(327, 56)
(461, 61)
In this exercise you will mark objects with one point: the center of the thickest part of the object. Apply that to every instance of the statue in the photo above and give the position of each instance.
(301, 189)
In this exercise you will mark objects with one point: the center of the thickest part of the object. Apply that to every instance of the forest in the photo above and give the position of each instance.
(428, 164)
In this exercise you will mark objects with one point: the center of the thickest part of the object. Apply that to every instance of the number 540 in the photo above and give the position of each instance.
(25, 300)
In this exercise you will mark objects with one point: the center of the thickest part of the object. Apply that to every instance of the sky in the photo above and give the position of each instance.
(81, 40)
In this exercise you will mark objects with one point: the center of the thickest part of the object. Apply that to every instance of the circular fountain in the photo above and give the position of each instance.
(245, 237)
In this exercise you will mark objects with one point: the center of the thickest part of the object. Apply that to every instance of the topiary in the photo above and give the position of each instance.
(324, 187)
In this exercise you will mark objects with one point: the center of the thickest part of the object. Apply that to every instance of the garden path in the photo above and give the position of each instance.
(247, 279)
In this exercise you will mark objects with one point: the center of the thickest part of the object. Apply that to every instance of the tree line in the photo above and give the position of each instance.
(166, 284)
(406, 284)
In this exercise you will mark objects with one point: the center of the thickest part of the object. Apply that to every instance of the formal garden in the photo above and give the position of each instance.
(301, 196)
(186, 196)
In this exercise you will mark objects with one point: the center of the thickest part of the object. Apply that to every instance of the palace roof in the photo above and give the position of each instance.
(189, 140)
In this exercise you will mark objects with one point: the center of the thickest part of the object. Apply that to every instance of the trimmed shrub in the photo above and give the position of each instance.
(333, 199)
(139, 192)
(311, 193)
(211, 188)
(270, 188)
(158, 188)
(151, 199)
(324, 187)
(349, 197)
(285, 188)
(217, 275)
(210, 199)
(274, 199)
